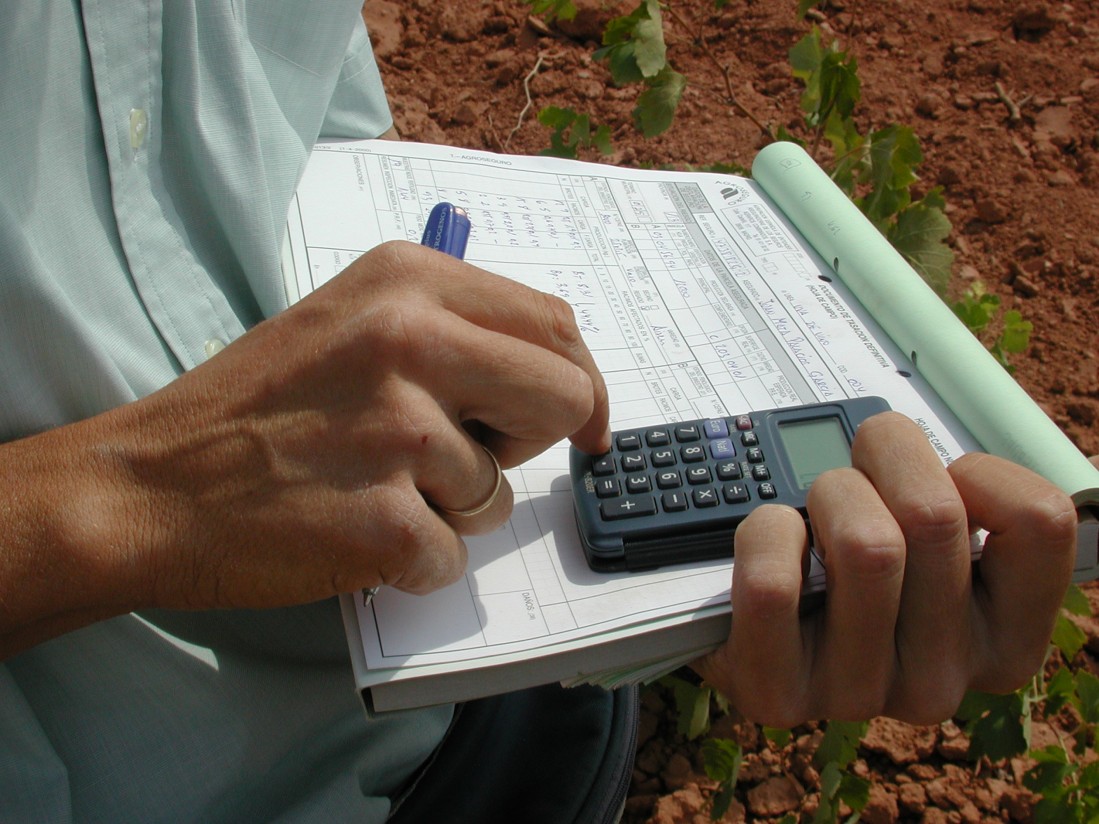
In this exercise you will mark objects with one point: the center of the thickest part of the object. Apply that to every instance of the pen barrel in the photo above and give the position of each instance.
(447, 230)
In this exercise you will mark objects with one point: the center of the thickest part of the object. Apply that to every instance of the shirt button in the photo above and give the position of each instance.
(213, 346)
(139, 127)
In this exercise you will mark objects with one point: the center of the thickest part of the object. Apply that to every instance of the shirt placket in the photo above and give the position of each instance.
(190, 312)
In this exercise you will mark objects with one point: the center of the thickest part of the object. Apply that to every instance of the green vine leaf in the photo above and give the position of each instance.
(553, 9)
(649, 48)
(840, 744)
(806, 55)
(657, 104)
(633, 45)
(1049, 778)
(572, 132)
(1016, 334)
(1075, 601)
(877, 172)
(779, 737)
(692, 704)
(919, 234)
(1060, 691)
(832, 88)
(894, 153)
(839, 86)
(1068, 637)
(1087, 688)
(804, 6)
(995, 725)
(838, 787)
(976, 308)
(721, 759)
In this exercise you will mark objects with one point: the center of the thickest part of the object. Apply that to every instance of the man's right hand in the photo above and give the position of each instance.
(315, 455)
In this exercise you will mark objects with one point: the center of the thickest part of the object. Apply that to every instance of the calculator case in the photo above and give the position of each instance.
(695, 534)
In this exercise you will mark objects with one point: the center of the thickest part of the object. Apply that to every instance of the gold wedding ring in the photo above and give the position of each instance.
(489, 501)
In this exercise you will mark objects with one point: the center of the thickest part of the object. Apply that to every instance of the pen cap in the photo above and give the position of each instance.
(447, 230)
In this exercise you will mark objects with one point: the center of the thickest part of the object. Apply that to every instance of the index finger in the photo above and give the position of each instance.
(506, 306)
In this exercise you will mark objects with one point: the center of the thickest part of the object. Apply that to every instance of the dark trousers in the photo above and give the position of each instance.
(548, 754)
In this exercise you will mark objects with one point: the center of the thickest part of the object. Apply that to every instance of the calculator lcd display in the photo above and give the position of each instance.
(814, 446)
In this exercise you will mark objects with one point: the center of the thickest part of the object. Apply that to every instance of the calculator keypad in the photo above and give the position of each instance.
(676, 492)
(693, 465)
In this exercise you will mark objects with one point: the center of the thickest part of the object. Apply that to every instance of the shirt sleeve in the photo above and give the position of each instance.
(358, 108)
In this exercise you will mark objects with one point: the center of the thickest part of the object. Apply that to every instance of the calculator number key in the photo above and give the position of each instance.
(669, 479)
(686, 433)
(692, 454)
(658, 437)
(698, 475)
(663, 457)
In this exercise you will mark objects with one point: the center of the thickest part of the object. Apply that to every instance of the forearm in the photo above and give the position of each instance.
(67, 551)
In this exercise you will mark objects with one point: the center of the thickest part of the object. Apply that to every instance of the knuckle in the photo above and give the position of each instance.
(767, 595)
(409, 426)
(393, 330)
(412, 558)
(392, 260)
(402, 535)
(345, 578)
(389, 266)
(559, 320)
(452, 566)
(873, 551)
(879, 426)
(1053, 518)
(436, 569)
(933, 522)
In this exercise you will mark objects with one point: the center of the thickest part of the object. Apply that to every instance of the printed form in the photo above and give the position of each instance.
(695, 299)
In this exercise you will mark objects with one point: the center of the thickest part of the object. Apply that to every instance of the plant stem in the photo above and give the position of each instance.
(730, 96)
(526, 90)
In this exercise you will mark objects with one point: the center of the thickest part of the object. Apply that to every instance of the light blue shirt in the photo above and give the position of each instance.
(150, 150)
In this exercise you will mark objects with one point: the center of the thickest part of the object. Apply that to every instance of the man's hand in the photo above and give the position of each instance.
(907, 624)
(313, 456)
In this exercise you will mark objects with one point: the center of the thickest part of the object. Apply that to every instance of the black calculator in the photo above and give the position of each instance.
(674, 493)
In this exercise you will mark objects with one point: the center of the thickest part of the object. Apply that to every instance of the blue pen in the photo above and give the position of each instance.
(447, 230)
